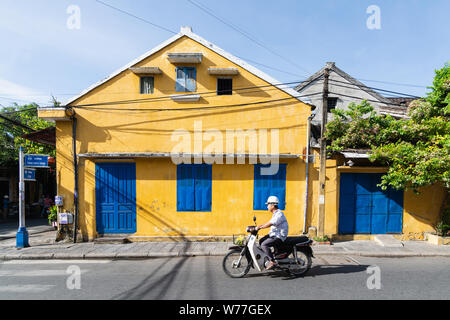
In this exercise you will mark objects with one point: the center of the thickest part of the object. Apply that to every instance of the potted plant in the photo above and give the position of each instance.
(53, 217)
(322, 240)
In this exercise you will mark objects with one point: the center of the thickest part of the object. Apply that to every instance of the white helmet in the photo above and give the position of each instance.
(273, 199)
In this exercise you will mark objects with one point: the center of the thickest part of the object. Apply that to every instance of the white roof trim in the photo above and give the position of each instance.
(187, 32)
(355, 155)
(184, 155)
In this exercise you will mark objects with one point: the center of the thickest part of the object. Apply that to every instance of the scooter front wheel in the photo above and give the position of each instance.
(235, 265)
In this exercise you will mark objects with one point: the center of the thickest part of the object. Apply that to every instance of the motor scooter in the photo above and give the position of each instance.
(294, 256)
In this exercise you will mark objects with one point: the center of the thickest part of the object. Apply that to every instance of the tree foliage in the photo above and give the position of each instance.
(10, 134)
(416, 150)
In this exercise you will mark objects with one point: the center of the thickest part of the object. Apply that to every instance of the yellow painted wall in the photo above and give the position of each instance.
(232, 200)
(106, 131)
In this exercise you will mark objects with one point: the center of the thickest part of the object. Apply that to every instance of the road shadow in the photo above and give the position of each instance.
(153, 287)
(319, 270)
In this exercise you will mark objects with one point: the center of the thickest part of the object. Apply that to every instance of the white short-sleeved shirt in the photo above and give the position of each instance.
(280, 227)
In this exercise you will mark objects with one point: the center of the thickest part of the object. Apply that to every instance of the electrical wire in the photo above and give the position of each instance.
(244, 89)
(168, 98)
(17, 111)
(197, 108)
(136, 17)
(394, 83)
(11, 127)
(362, 99)
(272, 68)
(17, 123)
(244, 33)
(159, 99)
(375, 89)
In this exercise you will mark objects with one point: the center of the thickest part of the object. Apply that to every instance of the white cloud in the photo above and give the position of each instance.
(11, 92)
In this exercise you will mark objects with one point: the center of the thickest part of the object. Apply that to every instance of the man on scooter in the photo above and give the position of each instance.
(278, 230)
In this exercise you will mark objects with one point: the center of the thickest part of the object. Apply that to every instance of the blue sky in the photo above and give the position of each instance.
(41, 56)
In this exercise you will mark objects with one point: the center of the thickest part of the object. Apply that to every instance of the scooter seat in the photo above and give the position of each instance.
(290, 241)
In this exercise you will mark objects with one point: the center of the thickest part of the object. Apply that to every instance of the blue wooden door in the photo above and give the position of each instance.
(366, 208)
(115, 194)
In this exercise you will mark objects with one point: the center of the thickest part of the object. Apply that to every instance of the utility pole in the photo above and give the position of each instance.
(323, 156)
(22, 233)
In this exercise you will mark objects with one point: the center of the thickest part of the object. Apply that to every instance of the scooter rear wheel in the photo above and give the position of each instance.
(304, 264)
(235, 265)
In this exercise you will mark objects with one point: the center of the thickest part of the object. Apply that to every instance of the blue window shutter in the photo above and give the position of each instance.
(185, 188)
(191, 76)
(278, 185)
(261, 190)
(180, 85)
(203, 187)
(265, 186)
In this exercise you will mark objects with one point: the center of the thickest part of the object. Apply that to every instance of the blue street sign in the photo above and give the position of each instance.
(29, 174)
(36, 161)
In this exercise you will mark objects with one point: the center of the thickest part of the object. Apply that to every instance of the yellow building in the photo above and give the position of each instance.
(191, 98)
(189, 141)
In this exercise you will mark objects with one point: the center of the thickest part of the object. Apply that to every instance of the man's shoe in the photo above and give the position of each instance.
(271, 265)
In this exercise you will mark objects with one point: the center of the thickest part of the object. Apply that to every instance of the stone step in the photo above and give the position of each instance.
(113, 239)
(387, 241)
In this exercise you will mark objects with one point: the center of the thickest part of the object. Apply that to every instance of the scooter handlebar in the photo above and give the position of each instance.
(252, 230)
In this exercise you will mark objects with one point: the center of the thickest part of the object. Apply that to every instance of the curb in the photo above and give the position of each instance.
(156, 255)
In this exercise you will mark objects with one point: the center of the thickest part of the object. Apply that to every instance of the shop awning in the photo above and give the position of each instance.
(46, 136)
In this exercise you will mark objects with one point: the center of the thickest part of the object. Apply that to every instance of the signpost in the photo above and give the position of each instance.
(29, 174)
(26, 174)
(22, 233)
(36, 161)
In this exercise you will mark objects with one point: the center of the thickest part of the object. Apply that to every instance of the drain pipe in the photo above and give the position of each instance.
(75, 171)
(308, 143)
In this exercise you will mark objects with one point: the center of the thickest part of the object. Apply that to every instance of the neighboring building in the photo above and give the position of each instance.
(344, 89)
(354, 202)
(201, 100)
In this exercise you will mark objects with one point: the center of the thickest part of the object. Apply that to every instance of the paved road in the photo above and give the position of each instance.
(332, 277)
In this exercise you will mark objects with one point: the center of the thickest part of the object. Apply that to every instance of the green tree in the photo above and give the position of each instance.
(10, 134)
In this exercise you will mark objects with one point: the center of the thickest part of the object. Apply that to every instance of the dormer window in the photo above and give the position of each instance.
(186, 79)
(147, 85)
(224, 86)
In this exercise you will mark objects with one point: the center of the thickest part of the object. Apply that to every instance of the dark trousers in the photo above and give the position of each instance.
(267, 242)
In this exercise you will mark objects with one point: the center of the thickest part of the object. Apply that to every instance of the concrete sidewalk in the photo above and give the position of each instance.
(43, 246)
(9, 229)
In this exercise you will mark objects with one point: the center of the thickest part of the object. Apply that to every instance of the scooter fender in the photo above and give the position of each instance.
(306, 249)
(248, 256)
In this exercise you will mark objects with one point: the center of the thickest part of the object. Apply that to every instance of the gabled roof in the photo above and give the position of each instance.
(332, 66)
(187, 31)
